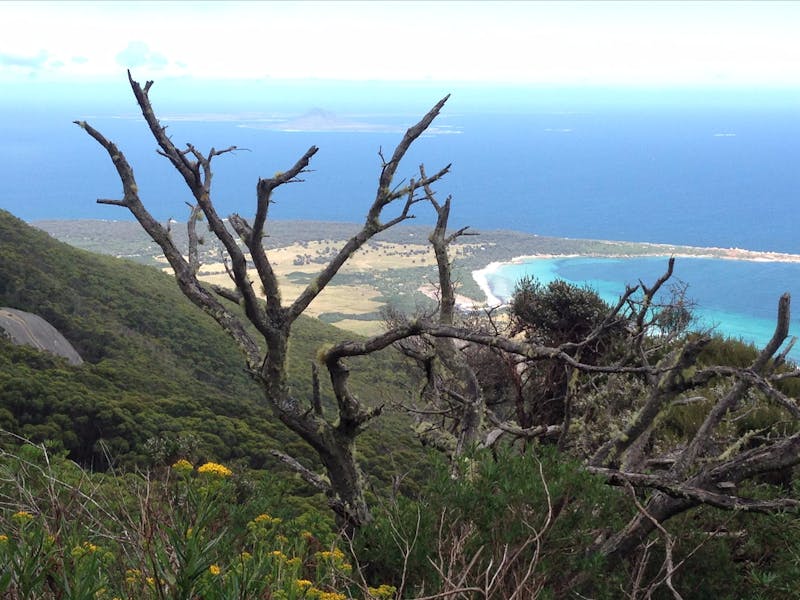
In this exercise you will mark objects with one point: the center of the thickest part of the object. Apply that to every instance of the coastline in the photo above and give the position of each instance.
(397, 255)
(481, 276)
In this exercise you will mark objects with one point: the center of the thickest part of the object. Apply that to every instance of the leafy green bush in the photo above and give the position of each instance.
(514, 522)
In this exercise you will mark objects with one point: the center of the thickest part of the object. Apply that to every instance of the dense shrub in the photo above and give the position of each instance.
(525, 522)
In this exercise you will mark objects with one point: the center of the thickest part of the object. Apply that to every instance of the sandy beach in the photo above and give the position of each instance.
(481, 276)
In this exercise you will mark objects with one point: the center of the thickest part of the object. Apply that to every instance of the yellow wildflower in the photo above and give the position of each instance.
(335, 554)
(214, 570)
(83, 549)
(132, 575)
(265, 519)
(294, 561)
(383, 592)
(279, 555)
(3, 538)
(245, 556)
(303, 583)
(22, 516)
(183, 466)
(214, 469)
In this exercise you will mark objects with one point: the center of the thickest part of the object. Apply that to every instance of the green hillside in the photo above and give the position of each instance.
(160, 378)
(161, 382)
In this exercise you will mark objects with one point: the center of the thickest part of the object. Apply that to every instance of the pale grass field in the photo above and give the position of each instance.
(365, 328)
(380, 257)
(347, 299)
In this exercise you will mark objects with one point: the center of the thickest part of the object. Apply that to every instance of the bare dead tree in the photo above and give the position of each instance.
(452, 392)
(451, 388)
(663, 365)
(711, 467)
(708, 469)
(702, 472)
(266, 354)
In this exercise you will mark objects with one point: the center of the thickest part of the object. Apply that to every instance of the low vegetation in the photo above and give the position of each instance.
(159, 378)
(508, 526)
(91, 502)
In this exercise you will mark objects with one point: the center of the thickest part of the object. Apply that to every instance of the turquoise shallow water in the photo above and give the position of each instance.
(738, 298)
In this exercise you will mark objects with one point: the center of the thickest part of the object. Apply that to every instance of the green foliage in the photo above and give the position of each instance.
(539, 508)
(183, 533)
(727, 351)
(554, 314)
(547, 508)
(161, 380)
(731, 556)
(557, 312)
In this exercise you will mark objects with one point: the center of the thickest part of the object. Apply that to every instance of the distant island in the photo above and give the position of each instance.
(318, 119)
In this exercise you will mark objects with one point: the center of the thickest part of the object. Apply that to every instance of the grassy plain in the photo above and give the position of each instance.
(355, 298)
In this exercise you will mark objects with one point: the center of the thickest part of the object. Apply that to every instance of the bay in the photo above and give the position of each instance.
(737, 299)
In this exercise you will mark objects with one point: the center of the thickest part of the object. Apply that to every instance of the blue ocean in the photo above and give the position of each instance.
(687, 168)
(734, 298)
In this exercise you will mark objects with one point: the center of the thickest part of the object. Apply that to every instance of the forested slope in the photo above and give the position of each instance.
(160, 378)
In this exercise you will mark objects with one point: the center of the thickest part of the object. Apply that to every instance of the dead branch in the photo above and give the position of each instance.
(699, 444)
(332, 440)
(187, 280)
(694, 494)
(671, 384)
(373, 225)
(668, 567)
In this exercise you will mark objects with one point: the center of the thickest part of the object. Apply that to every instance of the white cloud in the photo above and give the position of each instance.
(633, 42)
(138, 54)
(23, 61)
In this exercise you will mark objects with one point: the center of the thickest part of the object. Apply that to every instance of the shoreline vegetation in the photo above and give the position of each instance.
(397, 268)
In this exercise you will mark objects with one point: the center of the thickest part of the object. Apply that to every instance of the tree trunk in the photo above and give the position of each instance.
(624, 542)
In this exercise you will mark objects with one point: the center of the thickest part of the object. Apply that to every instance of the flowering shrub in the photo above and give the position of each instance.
(183, 467)
(214, 469)
(181, 535)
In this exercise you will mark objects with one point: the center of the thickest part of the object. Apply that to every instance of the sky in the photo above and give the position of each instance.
(629, 43)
